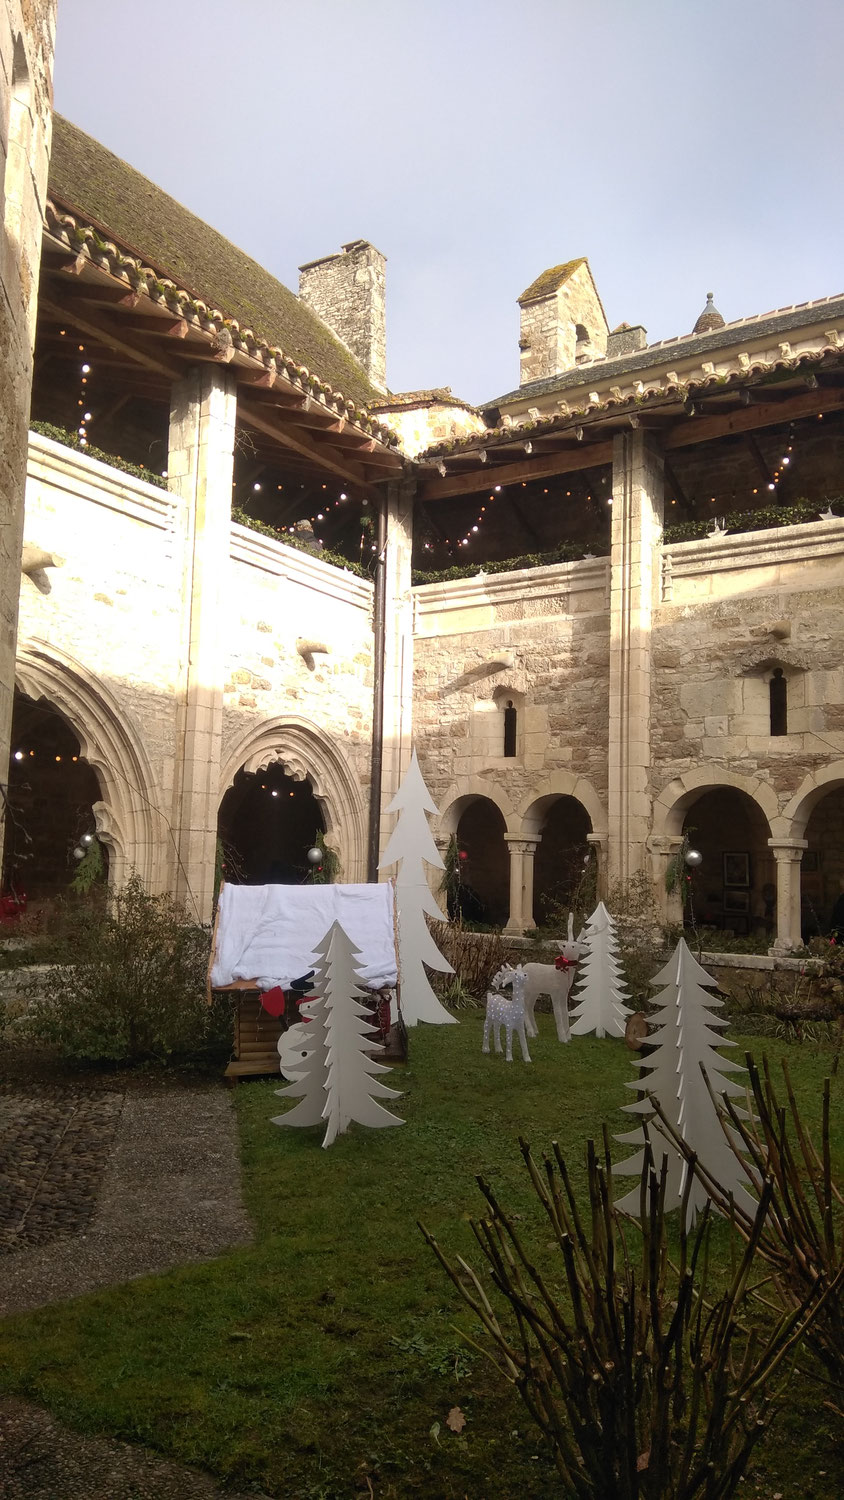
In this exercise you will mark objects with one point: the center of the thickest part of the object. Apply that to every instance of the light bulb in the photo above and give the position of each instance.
(87, 417)
(86, 369)
(256, 486)
(18, 755)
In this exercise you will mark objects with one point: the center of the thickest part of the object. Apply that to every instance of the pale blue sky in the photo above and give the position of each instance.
(683, 145)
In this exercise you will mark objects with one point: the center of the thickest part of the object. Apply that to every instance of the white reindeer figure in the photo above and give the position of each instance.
(547, 979)
(500, 1011)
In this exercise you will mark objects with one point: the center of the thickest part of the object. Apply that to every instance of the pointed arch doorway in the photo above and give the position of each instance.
(268, 821)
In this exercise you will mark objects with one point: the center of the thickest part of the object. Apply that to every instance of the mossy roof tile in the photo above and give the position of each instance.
(95, 184)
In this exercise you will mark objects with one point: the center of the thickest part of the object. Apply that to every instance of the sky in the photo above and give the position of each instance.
(682, 145)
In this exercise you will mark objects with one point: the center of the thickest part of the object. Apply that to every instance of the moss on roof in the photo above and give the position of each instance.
(98, 187)
(551, 279)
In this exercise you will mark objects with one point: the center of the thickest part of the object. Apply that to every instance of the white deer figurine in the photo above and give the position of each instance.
(501, 1011)
(548, 979)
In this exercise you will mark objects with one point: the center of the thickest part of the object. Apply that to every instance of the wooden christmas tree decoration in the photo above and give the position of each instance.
(337, 1080)
(411, 846)
(685, 1044)
(600, 982)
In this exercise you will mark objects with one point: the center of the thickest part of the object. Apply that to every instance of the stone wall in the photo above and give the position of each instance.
(104, 637)
(27, 33)
(548, 339)
(539, 638)
(348, 291)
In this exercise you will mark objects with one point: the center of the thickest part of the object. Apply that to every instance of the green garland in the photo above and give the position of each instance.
(565, 552)
(335, 559)
(72, 440)
(755, 520)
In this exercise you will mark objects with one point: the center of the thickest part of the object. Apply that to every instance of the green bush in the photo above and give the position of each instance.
(134, 988)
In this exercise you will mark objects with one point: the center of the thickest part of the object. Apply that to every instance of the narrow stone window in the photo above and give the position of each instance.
(583, 344)
(510, 721)
(778, 688)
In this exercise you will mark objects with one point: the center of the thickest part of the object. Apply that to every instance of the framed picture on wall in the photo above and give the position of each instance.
(737, 902)
(737, 869)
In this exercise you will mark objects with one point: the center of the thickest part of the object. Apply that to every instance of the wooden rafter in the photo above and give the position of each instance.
(544, 466)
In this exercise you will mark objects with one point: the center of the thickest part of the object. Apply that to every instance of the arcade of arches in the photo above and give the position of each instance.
(519, 880)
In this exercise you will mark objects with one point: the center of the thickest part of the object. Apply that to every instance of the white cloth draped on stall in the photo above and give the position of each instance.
(270, 933)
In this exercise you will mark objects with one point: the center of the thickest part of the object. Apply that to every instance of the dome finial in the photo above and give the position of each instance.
(710, 318)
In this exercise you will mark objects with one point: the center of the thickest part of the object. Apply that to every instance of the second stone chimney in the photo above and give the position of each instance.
(347, 291)
(563, 323)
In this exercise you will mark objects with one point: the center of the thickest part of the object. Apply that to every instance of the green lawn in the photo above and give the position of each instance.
(324, 1361)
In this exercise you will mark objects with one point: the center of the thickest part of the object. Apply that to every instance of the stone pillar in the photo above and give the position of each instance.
(203, 409)
(27, 34)
(398, 645)
(788, 854)
(663, 849)
(636, 527)
(597, 844)
(522, 851)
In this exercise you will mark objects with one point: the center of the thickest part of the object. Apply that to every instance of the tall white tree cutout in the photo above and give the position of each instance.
(685, 1042)
(411, 846)
(600, 988)
(338, 1082)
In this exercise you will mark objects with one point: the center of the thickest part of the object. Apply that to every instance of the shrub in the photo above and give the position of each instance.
(643, 1379)
(134, 988)
(474, 956)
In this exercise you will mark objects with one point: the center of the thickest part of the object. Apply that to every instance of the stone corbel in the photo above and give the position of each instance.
(309, 649)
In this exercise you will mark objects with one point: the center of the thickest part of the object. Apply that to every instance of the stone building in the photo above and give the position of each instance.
(606, 606)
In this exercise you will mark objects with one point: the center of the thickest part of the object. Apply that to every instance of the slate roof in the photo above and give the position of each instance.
(96, 186)
(551, 279)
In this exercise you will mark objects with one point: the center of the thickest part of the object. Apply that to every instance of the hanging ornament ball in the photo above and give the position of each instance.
(587, 859)
(693, 857)
(87, 838)
(78, 852)
(314, 856)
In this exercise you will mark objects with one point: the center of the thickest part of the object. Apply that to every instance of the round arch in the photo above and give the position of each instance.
(675, 799)
(561, 784)
(128, 818)
(797, 812)
(306, 754)
(462, 795)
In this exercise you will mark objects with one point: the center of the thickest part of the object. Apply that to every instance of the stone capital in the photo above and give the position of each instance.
(520, 843)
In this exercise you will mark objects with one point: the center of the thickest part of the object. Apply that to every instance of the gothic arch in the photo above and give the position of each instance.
(308, 755)
(128, 818)
(562, 784)
(816, 785)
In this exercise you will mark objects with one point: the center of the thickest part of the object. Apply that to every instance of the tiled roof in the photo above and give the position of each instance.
(668, 390)
(97, 200)
(551, 279)
(783, 319)
(438, 396)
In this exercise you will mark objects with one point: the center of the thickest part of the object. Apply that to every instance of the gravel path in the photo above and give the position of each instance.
(169, 1188)
(41, 1460)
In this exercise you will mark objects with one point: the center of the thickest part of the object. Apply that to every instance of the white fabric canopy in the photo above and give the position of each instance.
(270, 933)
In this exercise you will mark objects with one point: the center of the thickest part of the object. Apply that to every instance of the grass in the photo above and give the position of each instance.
(323, 1361)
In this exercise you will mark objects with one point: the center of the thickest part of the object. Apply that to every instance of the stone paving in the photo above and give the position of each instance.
(122, 1180)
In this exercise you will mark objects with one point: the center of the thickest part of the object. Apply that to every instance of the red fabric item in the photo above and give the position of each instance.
(273, 1001)
(12, 907)
(564, 963)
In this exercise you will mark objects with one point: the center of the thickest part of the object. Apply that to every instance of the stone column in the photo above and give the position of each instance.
(203, 409)
(663, 849)
(398, 645)
(597, 845)
(636, 528)
(522, 851)
(788, 853)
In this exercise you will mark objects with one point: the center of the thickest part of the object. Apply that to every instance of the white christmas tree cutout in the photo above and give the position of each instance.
(337, 1081)
(685, 1044)
(411, 846)
(600, 990)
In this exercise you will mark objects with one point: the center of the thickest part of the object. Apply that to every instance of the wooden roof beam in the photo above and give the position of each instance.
(749, 419)
(544, 466)
(99, 328)
(303, 445)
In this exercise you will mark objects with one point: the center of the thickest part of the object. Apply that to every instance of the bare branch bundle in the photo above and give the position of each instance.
(645, 1386)
(803, 1234)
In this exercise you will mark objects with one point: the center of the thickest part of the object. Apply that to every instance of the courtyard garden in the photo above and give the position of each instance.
(332, 1357)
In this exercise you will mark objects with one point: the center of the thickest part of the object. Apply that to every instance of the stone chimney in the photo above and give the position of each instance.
(626, 340)
(347, 291)
(563, 322)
